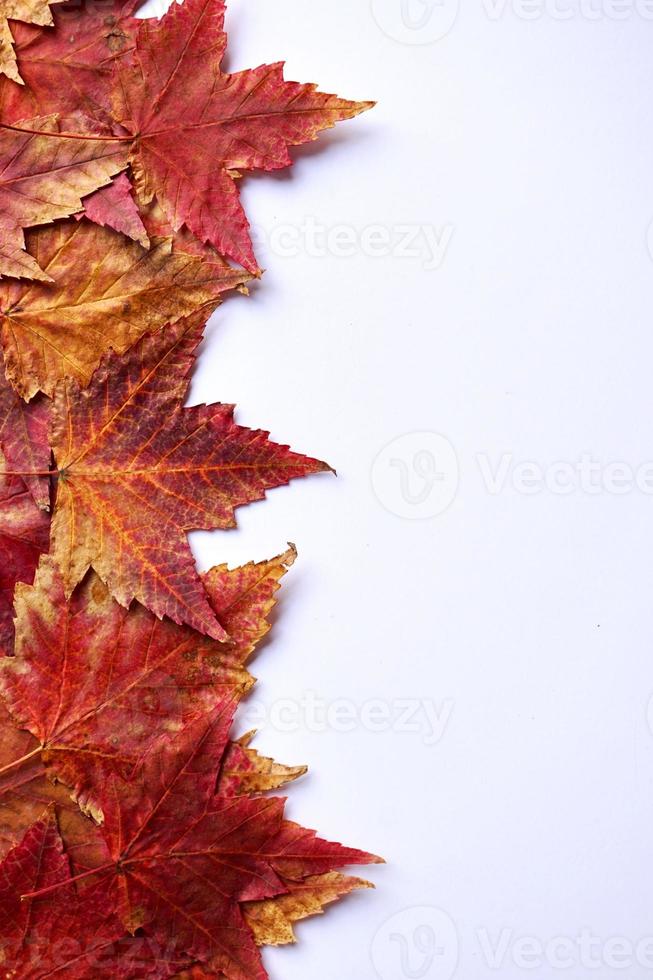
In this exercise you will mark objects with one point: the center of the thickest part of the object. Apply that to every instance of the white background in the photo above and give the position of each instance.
(525, 619)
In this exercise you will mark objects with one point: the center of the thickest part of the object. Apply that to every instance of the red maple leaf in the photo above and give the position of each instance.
(24, 439)
(86, 669)
(196, 127)
(114, 206)
(65, 934)
(137, 471)
(181, 859)
(67, 68)
(24, 536)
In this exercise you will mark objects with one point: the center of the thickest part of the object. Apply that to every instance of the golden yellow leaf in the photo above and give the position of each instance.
(272, 920)
(108, 292)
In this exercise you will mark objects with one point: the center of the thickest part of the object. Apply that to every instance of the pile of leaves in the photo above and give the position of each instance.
(137, 838)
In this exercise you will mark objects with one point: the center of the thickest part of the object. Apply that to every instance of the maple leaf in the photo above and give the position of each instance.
(86, 669)
(24, 439)
(107, 293)
(44, 174)
(26, 790)
(272, 920)
(69, 68)
(182, 859)
(244, 772)
(115, 207)
(157, 225)
(137, 471)
(24, 535)
(243, 598)
(30, 11)
(77, 937)
(196, 127)
(15, 261)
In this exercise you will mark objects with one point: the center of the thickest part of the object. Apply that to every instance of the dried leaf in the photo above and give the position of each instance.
(195, 127)
(24, 536)
(44, 175)
(24, 439)
(29, 11)
(272, 920)
(244, 597)
(138, 471)
(107, 293)
(183, 859)
(114, 207)
(86, 669)
(68, 69)
(76, 937)
(244, 772)
(26, 791)
(15, 261)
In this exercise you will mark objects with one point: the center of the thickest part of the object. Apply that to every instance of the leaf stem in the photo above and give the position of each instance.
(19, 762)
(29, 472)
(70, 136)
(68, 881)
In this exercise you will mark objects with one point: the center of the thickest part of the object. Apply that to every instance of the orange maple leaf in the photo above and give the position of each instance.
(107, 293)
(44, 174)
(137, 471)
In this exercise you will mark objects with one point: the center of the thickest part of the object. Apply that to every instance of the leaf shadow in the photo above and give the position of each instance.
(330, 141)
